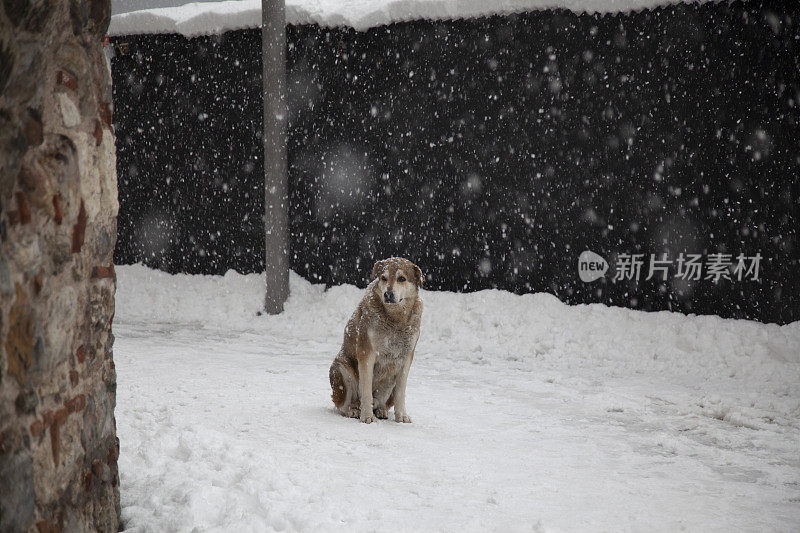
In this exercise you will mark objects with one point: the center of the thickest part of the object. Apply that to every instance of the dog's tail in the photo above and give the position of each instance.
(339, 393)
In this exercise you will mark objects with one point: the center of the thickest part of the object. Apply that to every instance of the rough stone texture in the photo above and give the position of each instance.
(58, 209)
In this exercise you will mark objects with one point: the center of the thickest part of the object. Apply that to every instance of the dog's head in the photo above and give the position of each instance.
(397, 281)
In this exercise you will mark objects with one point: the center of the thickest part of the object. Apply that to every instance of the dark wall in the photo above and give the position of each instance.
(490, 151)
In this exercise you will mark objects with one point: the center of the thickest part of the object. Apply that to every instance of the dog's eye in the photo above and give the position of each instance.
(383, 278)
(401, 279)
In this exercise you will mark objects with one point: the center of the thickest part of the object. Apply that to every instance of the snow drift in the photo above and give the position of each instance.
(484, 324)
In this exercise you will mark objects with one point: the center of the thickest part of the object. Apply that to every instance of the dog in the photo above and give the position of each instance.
(369, 374)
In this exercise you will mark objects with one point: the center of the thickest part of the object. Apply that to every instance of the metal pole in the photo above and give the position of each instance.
(276, 200)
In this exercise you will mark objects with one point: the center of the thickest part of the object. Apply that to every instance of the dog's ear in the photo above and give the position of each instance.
(418, 277)
(377, 269)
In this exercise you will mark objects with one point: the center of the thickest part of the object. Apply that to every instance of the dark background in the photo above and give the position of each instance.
(489, 151)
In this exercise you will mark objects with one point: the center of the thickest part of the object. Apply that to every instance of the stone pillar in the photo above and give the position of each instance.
(58, 209)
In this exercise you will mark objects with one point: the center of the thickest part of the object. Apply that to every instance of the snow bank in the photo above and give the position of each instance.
(216, 17)
(480, 326)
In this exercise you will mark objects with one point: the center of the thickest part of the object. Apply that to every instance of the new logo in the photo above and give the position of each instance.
(591, 266)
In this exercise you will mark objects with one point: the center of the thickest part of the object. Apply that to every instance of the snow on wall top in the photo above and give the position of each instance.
(217, 17)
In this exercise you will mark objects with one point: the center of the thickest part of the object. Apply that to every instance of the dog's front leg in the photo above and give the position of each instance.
(366, 366)
(400, 414)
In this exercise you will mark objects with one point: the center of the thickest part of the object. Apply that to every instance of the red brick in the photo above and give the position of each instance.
(60, 416)
(54, 443)
(67, 80)
(100, 272)
(98, 133)
(57, 213)
(77, 403)
(105, 113)
(23, 208)
(79, 230)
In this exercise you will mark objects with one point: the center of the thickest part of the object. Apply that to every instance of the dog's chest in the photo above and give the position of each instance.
(392, 347)
(392, 350)
(392, 353)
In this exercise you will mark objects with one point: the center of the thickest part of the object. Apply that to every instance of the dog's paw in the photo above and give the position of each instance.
(367, 419)
(352, 412)
(402, 417)
(382, 413)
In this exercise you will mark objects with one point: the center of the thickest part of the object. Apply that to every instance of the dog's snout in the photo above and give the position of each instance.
(388, 295)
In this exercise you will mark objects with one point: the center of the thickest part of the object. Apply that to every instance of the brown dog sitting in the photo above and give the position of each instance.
(369, 374)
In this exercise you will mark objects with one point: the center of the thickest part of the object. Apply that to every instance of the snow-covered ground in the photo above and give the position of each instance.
(529, 415)
(202, 18)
